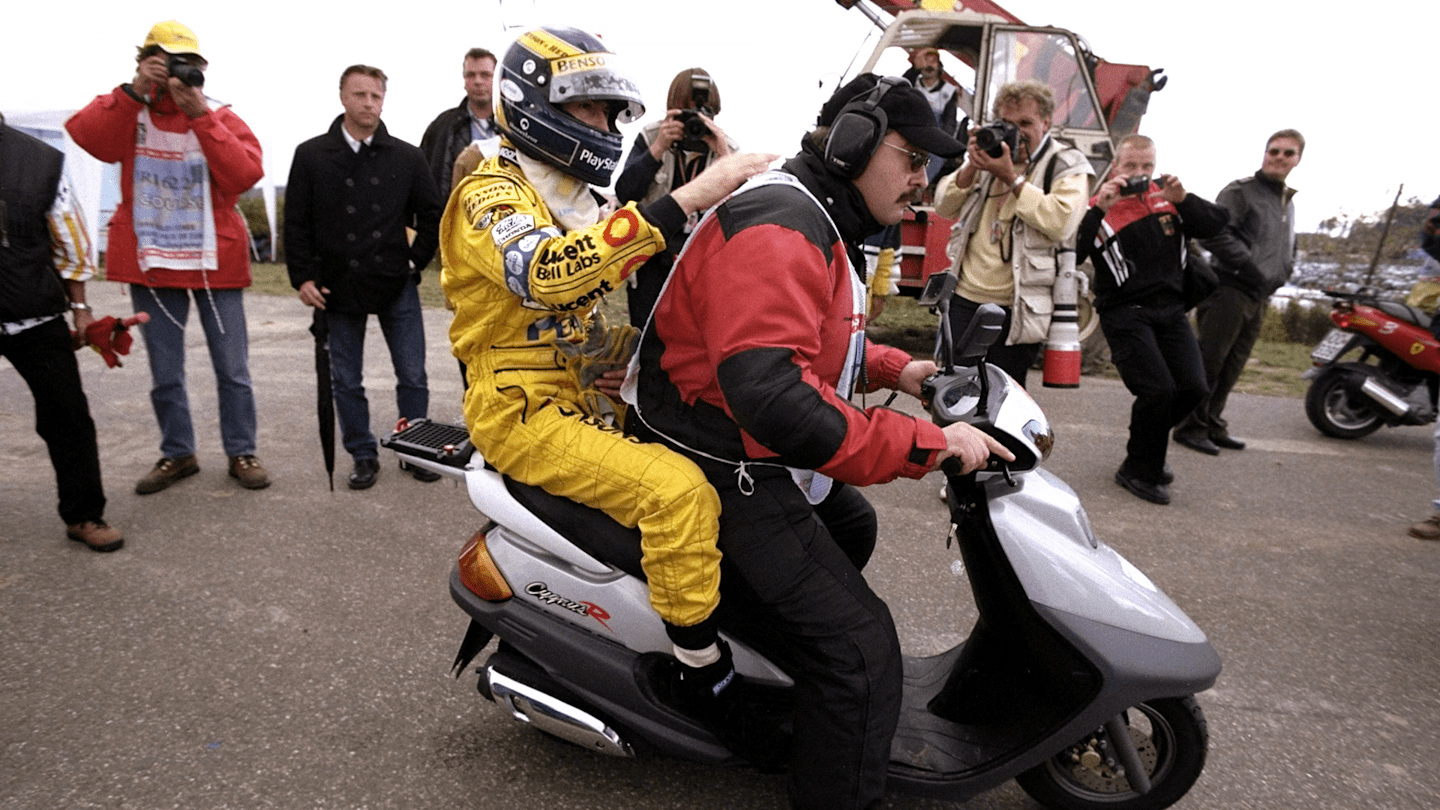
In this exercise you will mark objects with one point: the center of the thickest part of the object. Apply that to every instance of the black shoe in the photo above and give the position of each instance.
(1198, 443)
(1227, 442)
(363, 477)
(1154, 493)
(1167, 475)
(420, 473)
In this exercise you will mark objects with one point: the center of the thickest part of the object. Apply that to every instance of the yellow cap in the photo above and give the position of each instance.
(172, 37)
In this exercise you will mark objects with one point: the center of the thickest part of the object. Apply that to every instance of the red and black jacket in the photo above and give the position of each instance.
(749, 340)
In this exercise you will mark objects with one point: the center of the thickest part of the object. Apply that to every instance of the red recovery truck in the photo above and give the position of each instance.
(1097, 104)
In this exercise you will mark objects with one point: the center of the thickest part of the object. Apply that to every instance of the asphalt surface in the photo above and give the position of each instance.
(289, 647)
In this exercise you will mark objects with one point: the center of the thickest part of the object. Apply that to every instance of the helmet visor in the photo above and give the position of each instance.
(595, 77)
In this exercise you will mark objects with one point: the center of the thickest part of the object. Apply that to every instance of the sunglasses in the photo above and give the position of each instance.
(1274, 152)
(918, 160)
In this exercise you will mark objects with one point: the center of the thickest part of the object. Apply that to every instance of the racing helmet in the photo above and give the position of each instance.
(547, 67)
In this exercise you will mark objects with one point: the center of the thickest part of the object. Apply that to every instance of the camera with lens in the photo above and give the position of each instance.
(695, 130)
(992, 138)
(695, 127)
(186, 71)
(1135, 185)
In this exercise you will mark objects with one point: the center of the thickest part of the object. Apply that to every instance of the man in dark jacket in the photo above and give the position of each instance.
(1253, 256)
(351, 195)
(458, 127)
(44, 264)
(1135, 233)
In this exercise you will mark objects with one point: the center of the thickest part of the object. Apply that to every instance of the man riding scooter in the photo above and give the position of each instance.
(746, 367)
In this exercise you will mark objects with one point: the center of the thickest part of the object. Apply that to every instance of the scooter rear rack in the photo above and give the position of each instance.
(435, 441)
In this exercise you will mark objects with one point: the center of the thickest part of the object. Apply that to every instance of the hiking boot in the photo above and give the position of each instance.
(97, 534)
(248, 471)
(1427, 529)
(167, 471)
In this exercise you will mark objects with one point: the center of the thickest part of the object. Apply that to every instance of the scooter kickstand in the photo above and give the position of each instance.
(1119, 732)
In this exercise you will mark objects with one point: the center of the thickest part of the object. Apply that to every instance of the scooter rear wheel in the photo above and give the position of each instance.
(1337, 411)
(1171, 738)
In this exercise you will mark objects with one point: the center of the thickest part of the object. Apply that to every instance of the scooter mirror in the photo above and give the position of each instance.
(980, 335)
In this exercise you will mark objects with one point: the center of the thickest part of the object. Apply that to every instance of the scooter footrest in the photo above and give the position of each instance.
(436, 441)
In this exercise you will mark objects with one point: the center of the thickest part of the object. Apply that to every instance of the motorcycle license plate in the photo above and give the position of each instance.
(1330, 347)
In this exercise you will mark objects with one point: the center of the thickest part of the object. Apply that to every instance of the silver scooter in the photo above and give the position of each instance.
(1077, 680)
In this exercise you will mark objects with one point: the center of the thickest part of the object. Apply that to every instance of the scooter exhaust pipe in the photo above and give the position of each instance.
(556, 717)
(1385, 397)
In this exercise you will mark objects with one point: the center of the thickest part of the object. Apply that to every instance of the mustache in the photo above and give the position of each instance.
(911, 197)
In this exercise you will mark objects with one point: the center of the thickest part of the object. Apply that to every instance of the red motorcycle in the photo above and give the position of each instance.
(1393, 381)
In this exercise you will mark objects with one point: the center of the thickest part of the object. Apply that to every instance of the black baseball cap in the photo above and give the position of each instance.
(906, 112)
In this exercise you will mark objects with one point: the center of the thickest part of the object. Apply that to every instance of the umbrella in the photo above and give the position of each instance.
(324, 394)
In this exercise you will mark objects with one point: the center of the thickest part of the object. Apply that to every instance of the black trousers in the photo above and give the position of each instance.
(1157, 355)
(791, 574)
(1015, 360)
(44, 359)
(1228, 323)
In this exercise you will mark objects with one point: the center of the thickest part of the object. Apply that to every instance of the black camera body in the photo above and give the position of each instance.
(1135, 185)
(992, 138)
(695, 130)
(186, 71)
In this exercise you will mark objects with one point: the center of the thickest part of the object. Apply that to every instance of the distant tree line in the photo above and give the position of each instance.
(1346, 239)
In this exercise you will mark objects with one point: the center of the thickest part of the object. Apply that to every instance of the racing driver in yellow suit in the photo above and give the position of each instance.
(526, 258)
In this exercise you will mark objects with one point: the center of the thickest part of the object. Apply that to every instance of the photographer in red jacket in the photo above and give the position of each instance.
(184, 161)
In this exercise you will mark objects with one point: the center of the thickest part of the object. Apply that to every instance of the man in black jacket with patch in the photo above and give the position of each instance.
(351, 196)
(1135, 233)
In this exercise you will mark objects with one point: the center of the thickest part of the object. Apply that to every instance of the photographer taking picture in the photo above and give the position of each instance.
(176, 235)
(1019, 195)
(666, 155)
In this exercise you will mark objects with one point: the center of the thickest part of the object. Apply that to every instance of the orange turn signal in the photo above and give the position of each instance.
(479, 573)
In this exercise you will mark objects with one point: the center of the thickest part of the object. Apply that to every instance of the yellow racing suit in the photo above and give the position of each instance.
(521, 286)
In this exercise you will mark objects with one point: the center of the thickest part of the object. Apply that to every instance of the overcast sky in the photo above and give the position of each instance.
(1360, 87)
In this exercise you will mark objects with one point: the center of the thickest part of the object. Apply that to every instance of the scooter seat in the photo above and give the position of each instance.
(590, 529)
(1405, 313)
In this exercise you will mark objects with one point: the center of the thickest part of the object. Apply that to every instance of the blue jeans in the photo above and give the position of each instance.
(404, 330)
(229, 342)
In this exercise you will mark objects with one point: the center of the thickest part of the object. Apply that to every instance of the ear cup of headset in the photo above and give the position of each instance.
(857, 131)
(853, 138)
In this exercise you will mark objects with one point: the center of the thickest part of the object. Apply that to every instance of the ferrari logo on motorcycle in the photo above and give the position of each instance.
(1417, 347)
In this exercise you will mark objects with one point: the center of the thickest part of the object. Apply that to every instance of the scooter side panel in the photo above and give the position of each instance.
(600, 675)
(1054, 551)
(611, 603)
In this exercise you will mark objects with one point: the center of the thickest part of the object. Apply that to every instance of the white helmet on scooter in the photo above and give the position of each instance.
(548, 67)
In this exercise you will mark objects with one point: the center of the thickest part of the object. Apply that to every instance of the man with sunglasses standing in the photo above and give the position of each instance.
(1252, 257)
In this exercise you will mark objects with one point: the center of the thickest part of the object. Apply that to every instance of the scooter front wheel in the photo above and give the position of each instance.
(1171, 738)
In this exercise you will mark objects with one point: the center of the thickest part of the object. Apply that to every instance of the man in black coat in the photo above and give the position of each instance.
(351, 196)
